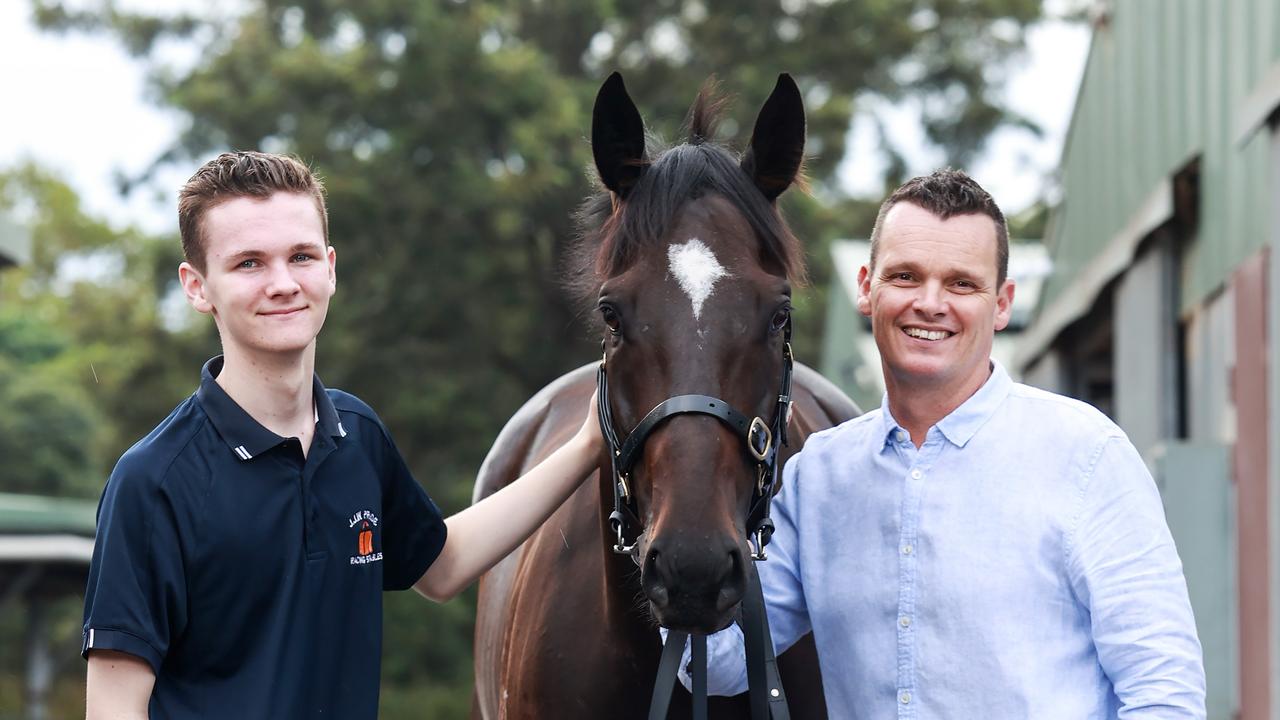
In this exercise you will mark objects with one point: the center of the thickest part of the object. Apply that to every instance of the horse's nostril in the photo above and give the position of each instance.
(651, 561)
(654, 577)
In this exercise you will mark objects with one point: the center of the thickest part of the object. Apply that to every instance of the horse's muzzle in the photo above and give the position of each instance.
(693, 586)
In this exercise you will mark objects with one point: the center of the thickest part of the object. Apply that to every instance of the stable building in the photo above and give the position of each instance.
(1163, 306)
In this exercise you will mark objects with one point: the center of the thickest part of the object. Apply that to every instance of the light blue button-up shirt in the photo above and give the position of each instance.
(1016, 565)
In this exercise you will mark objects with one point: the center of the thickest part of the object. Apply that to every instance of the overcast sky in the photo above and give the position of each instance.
(78, 105)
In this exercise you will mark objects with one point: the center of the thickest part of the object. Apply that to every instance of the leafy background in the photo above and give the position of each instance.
(453, 138)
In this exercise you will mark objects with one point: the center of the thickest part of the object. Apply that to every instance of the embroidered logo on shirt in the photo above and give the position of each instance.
(364, 523)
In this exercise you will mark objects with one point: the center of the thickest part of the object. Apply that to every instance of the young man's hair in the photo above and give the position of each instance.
(946, 193)
(241, 174)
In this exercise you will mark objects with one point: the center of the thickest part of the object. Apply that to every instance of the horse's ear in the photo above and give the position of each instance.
(617, 137)
(777, 143)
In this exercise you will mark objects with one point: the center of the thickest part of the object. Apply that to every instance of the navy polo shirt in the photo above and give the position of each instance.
(249, 576)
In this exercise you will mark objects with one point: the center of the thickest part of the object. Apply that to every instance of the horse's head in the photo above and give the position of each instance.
(692, 267)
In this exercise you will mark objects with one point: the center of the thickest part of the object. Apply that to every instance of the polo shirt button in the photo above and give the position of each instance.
(916, 474)
(904, 697)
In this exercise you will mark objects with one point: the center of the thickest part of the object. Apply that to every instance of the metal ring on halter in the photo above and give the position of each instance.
(621, 547)
(757, 550)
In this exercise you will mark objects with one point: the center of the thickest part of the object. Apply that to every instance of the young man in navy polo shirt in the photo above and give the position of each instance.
(244, 545)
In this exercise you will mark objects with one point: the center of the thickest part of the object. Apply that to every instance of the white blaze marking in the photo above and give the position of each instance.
(697, 270)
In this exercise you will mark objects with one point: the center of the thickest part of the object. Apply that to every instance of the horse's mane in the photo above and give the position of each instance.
(611, 235)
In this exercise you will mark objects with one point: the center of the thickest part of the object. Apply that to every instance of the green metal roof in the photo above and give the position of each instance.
(37, 514)
(1167, 82)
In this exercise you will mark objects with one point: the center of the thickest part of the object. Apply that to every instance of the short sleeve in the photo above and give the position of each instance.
(413, 532)
(136, 600)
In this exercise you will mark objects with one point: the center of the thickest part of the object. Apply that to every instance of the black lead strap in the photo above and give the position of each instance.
(768, 699)
(665, 683)
(698, 659)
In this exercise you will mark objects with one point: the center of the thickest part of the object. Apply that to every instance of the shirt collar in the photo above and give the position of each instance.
(963, 423)
(245, 436)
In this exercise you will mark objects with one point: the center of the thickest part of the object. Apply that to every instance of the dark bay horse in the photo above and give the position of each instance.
(690, 266)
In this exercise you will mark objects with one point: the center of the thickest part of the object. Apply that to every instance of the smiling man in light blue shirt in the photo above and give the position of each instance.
(975, 548)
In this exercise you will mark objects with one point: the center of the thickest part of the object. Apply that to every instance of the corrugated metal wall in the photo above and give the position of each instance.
(1163, 83)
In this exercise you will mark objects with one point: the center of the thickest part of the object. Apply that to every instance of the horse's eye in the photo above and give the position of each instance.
(780, 319)
(611, 319)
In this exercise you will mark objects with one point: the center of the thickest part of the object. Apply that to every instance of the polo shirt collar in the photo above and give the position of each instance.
(964, 422)
(245, 436)
(327, 421)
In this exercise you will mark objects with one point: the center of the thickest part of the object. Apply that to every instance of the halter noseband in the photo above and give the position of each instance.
(761, 440)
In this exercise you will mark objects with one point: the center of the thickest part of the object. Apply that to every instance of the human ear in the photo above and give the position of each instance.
(332, 256)
(1004, 304)
(193, 287)
(864, 290)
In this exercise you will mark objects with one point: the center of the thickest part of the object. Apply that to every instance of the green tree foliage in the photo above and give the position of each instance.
(86, 368)
(453, 137)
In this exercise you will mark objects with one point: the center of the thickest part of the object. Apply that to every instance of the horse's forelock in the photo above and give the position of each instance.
(706, 112)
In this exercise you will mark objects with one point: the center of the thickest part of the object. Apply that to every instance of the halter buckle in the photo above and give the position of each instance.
(623, 489)
(758, 427)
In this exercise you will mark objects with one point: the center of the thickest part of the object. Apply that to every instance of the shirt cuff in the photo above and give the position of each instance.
(103, 639)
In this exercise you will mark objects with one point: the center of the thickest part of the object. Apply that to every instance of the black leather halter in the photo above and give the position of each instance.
(762, 442)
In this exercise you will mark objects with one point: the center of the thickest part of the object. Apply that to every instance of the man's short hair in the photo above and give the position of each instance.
(240, 174)
(946, 193)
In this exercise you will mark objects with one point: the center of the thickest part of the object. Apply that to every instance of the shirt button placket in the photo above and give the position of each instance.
(906, 600)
